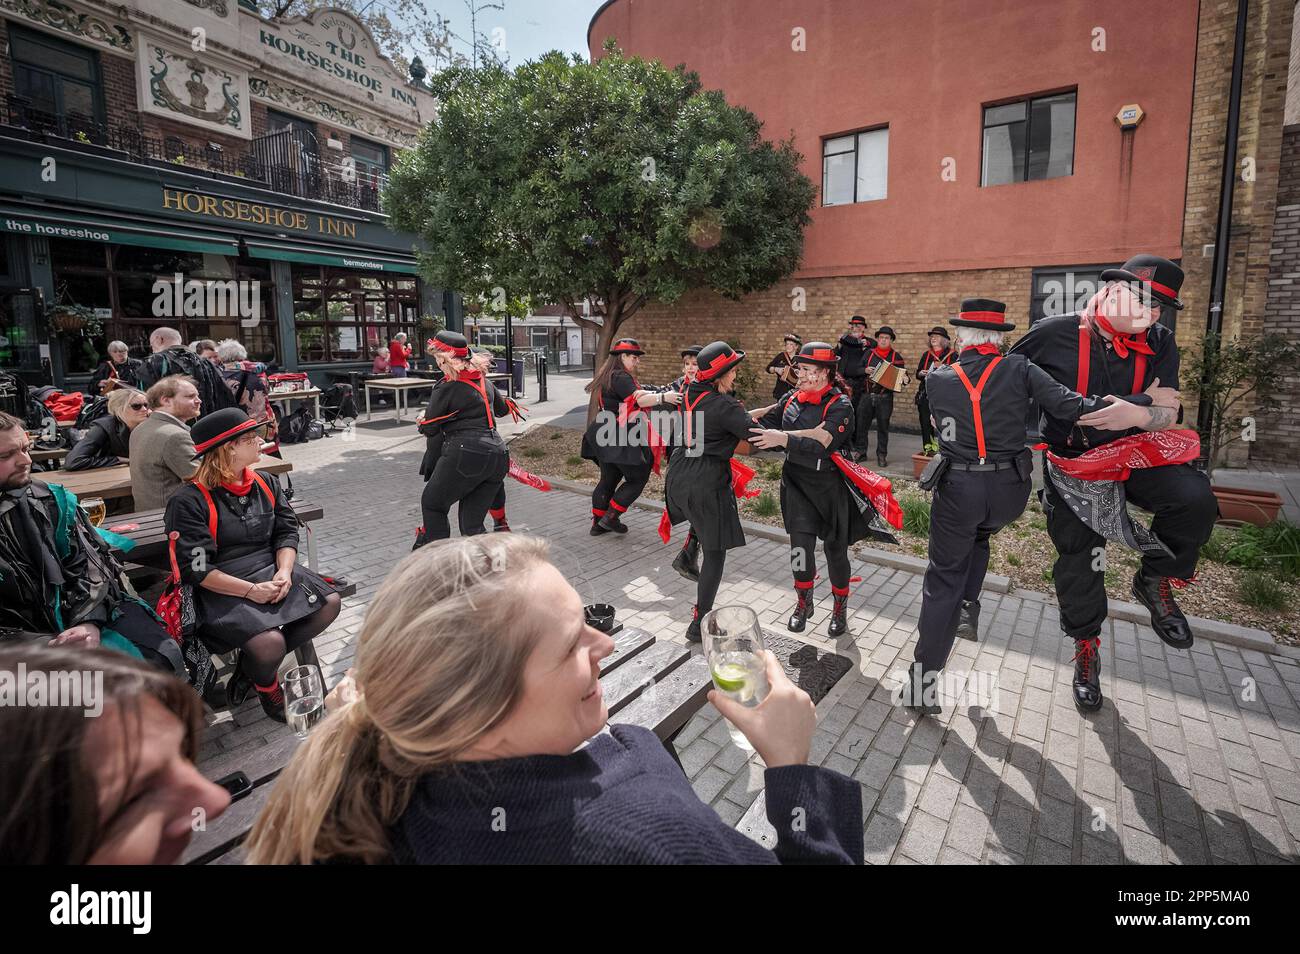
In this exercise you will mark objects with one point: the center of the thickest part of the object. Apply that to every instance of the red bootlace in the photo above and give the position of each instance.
(1087, 649)
(1181, 584)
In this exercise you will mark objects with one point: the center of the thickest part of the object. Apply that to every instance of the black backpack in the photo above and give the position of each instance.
(296, 428)
(90, 412)
(213, 391)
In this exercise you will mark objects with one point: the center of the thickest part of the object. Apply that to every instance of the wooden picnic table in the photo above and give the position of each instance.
(399, 386)
(306, 394)
(112, 483)
(48, 455)
(655, 685)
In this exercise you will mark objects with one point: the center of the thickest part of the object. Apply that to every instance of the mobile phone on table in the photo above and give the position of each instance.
(237, 784)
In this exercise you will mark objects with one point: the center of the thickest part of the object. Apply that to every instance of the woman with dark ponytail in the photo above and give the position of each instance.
(615, 441)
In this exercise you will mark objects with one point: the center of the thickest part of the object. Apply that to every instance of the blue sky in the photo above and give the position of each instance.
(531, 26)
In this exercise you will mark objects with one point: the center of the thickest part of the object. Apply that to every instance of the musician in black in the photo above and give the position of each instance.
(1116, 347)
(979, 404)
(852, 351)
(465, 459)
(783, 367)
(619, 438)
(878, 404)
(699, 484)
(810, 424)
(939, 353)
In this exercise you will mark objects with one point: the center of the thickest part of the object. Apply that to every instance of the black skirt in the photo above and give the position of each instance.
(698, 490)
(227, 622)
(623, 455)
(818, 502)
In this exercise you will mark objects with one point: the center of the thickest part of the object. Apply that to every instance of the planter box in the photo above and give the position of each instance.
(1239, 505)
(919, 462)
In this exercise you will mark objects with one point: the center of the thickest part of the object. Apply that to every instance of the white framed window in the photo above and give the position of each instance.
(855, 168)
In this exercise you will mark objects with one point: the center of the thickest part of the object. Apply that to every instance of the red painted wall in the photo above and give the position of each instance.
(926, 68)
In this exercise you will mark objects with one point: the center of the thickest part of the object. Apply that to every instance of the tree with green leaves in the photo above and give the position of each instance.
(598, 186)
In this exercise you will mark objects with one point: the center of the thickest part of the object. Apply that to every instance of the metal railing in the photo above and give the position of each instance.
(282, 161)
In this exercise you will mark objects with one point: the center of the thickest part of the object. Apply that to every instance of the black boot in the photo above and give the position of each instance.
(611, 522)
(839, 623)
(420, 539)
(500, 526)
(596, 529)
(916, 695)
(272, 702)
(238, 686)
(968, 622)
(693, 631)
(1087, 674)
(802, 610)
(882, 460)
(687, 562)
(1155, 593)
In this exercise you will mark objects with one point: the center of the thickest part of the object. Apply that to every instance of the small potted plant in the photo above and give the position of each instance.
(919, 460)
(1236, 376)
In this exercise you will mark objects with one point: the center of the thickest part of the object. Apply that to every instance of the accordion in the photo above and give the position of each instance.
(889, 376)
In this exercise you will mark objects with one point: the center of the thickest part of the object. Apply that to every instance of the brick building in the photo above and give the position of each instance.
(151, 139)
(976, 151)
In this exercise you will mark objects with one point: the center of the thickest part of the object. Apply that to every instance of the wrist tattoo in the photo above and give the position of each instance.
(1160, 418)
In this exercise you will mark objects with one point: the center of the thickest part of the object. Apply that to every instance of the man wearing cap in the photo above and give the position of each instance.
(939, 353)
(984, 478)
(783, 367)
(1115, 347)
(852, 351)
(878, 404)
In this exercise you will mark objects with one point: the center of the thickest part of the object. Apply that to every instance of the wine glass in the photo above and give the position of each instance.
(304, 698)
(733, 646)
(94, 508)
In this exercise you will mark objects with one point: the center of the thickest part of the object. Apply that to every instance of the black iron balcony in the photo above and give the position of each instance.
(285, 161)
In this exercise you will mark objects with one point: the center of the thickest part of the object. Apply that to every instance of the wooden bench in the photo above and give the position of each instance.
(655, 685)
(112, 483)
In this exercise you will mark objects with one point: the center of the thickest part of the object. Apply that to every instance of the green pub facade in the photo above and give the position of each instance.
(188, 163)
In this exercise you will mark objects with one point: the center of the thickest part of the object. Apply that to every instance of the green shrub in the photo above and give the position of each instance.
(573, 460)
(916, 514)
(1013, 560)
(555, 437)
(1263, 591)
(769, 469)
(534, 452)
(1216, 548)
(1274, 548)
(766, 504)
(1047, 575)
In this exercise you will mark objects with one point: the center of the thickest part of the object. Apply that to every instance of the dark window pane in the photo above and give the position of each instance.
(1051, 147)
(1010, 113)
(78, 98)
(1004, 154)
(70, 253)
(49, 54)
(37, 87)
(307, 309)
(160, 261)
(311, 343)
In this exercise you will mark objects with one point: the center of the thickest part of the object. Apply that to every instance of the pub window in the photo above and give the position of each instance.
(56, 77)
(539, 338)
(855, 168)
(343, 315)
(371, 159)
(1029, 139)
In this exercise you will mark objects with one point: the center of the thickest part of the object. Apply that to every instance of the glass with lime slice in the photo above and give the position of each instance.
(733, 646)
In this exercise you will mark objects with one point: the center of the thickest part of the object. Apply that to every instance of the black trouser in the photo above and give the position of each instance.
(803, 560)
(610, 492)
(923, 412)
(1184, 507)
(706, 590)
(968, 508)
(446, 487)
(881, 408)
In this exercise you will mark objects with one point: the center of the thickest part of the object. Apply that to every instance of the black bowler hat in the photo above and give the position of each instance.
(858, 320)
(692, 351)
(222, 427)
(793, 337)
(716, 359)
(886, 330)
(1160, 277)
(818, 353)
(626, 346)
(451, 343)
(983, 313)
(939, 330)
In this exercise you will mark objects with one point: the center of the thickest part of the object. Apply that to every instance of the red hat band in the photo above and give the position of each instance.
(449, 349)
(984, 317)
(211, 442)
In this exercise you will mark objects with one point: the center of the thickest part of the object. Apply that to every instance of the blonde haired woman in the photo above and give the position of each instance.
(107, 442)
(250, 591)
(476, 737)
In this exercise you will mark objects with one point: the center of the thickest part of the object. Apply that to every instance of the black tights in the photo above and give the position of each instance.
(803, 560)
(261, 656)
(608, 491)
(706, 589)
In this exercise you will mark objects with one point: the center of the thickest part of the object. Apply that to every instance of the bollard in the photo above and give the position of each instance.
(541, 377)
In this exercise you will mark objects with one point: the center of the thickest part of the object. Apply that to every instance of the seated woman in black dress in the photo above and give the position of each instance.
(107, 441)
(239, 547)
(478, 737)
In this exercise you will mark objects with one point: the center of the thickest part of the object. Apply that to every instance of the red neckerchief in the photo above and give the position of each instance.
(884, 354)
(987, 348)
(811, 397)
(473, 377)
(242, 488)
(1122, 342)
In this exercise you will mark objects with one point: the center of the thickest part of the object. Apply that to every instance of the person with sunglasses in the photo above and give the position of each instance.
(107, 441)
(238, 546)
(1116, 348)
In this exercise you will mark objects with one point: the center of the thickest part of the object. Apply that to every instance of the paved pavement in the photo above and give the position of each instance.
(1193, 759)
